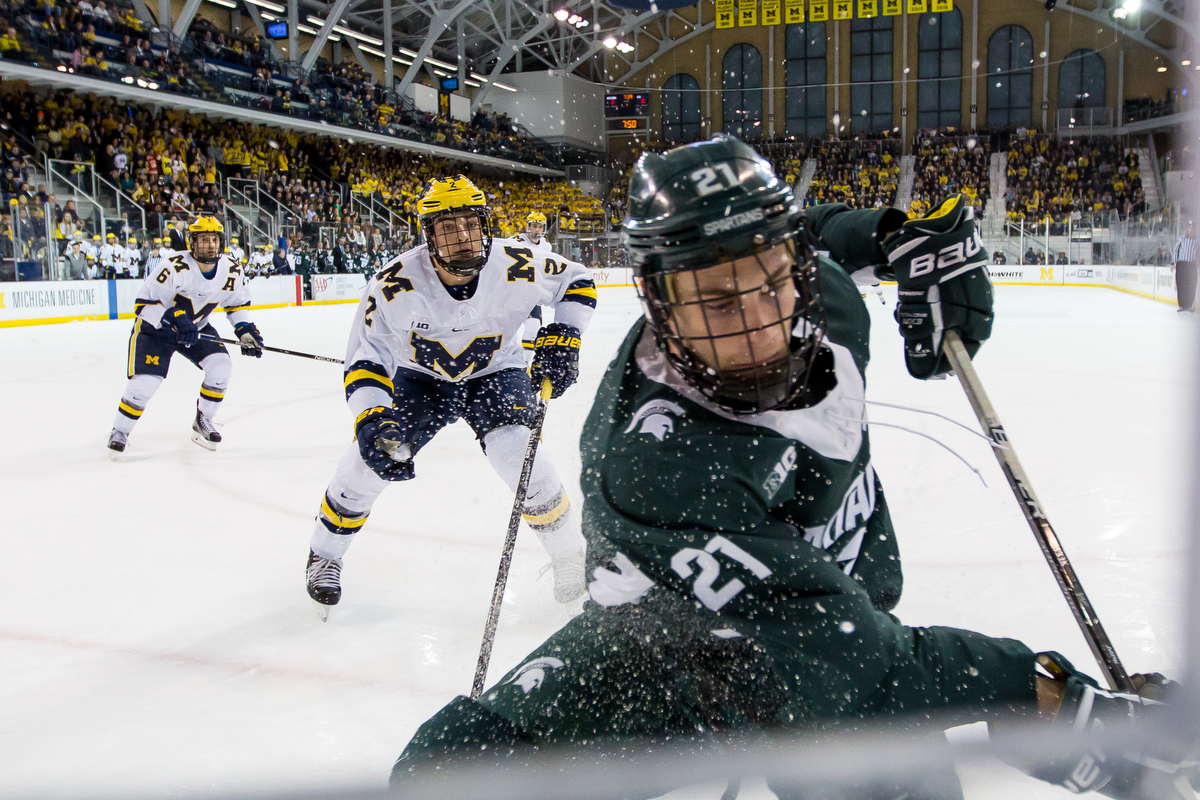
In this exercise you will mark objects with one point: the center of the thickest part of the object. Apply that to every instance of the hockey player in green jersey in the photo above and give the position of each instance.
(742, 561)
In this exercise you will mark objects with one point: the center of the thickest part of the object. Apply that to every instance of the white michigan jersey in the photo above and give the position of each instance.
(541, 244)
(177, 280)
(408, 319)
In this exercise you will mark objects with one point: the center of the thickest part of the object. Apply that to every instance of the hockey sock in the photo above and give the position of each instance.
(217, 369)
(137, 394)
(556, 526)
(335, 529)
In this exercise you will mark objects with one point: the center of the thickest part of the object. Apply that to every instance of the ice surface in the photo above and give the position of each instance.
(157, 638)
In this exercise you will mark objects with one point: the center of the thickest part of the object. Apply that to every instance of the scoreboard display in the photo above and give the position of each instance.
(628, 125)
(632, 104)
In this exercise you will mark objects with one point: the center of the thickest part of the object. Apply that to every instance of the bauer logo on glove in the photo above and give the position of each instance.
(556, 357)
(941, 267)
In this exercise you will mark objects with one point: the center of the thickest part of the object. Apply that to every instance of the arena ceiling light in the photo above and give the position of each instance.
(362, 37)
(610, 42)
(225, 3)
(562, 14)
(429, 59)
(624, 47)
(267, 5)
(313, 32)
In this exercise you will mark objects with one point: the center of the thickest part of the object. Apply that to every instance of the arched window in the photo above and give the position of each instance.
(681, 109)
(871, 74)
(939, 70)
(1081, 80)
(742, 99)
(805, 66)
(1010, 77)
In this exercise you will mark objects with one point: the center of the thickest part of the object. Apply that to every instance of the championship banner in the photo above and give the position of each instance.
(943, 5)
(770, 12)
(843, 9)
(725, 14)
(892, 8)
(917, 6)
(818, 10)
(793, 11)
(747, 13)
(867, 9)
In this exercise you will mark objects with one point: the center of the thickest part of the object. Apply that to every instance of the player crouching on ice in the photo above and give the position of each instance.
(742, 557)
(437, 338)
(172, 310)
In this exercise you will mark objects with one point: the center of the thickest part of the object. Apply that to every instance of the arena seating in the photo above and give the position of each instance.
(1071, 179)
(236, 68)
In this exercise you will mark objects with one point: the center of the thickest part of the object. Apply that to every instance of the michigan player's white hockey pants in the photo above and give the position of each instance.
(140, 388)
(354, 487)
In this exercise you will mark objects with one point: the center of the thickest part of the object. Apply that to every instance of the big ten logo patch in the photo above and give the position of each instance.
(780, 472)
(652, 418)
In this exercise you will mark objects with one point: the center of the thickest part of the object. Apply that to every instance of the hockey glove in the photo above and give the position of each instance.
(249, 338)
(1115, 770)
(381, 446)
(179, 321)
(555, 358)
(940, 264)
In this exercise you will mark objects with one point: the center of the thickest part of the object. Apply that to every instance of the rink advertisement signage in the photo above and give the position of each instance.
(337, 288)
(616, 276)
(55, 301)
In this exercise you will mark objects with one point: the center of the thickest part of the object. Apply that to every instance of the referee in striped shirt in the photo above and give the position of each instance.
(1185, 269)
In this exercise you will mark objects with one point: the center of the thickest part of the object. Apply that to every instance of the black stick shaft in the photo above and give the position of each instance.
(510, 542)
(274, 349)
(1060, 565)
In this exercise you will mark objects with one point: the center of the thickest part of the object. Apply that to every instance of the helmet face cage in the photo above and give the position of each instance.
(199, 246)
(472, 224)
(535, 228)
(721, 343)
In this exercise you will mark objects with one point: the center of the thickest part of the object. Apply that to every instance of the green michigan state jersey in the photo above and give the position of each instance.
(656, 451)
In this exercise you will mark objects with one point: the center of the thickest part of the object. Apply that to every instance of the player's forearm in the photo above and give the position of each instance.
(368, 385)
(573, 314)
(151, 311)
(237, 316)
(853, 237)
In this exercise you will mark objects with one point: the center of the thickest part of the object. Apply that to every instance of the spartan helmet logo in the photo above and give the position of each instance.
(658, 426)
(532, 675)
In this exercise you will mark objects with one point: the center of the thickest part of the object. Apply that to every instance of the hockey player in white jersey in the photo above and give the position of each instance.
(436, 338)
(131, 257)
(109, 253)
(534, 235)
(171, 310)
(236, 253)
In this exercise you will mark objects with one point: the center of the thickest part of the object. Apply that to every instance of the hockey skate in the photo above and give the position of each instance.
(324, 583)
(116, 444)
(204, 432)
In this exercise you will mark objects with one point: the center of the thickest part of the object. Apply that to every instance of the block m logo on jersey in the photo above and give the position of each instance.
(433, 355)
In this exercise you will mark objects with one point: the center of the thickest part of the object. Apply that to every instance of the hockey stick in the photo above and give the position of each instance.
(274, 349)
(510, 541)
(1060, 565)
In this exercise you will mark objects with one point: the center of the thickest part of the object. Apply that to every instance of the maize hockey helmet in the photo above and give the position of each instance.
(457, 224)
(725, 274)
(201, 251)
(535, 218)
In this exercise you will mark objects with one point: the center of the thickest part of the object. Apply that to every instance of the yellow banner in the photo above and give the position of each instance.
(770, 12)
(818, 10)
(843, 9)
(917, 6)
(943, 5)
(725, 13)
(892, 8)
(867, 9)
(793, 11)
(747, 13)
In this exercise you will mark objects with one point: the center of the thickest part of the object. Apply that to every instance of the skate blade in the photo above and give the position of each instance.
(205, 443)
(322, 610)
(114, 455)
